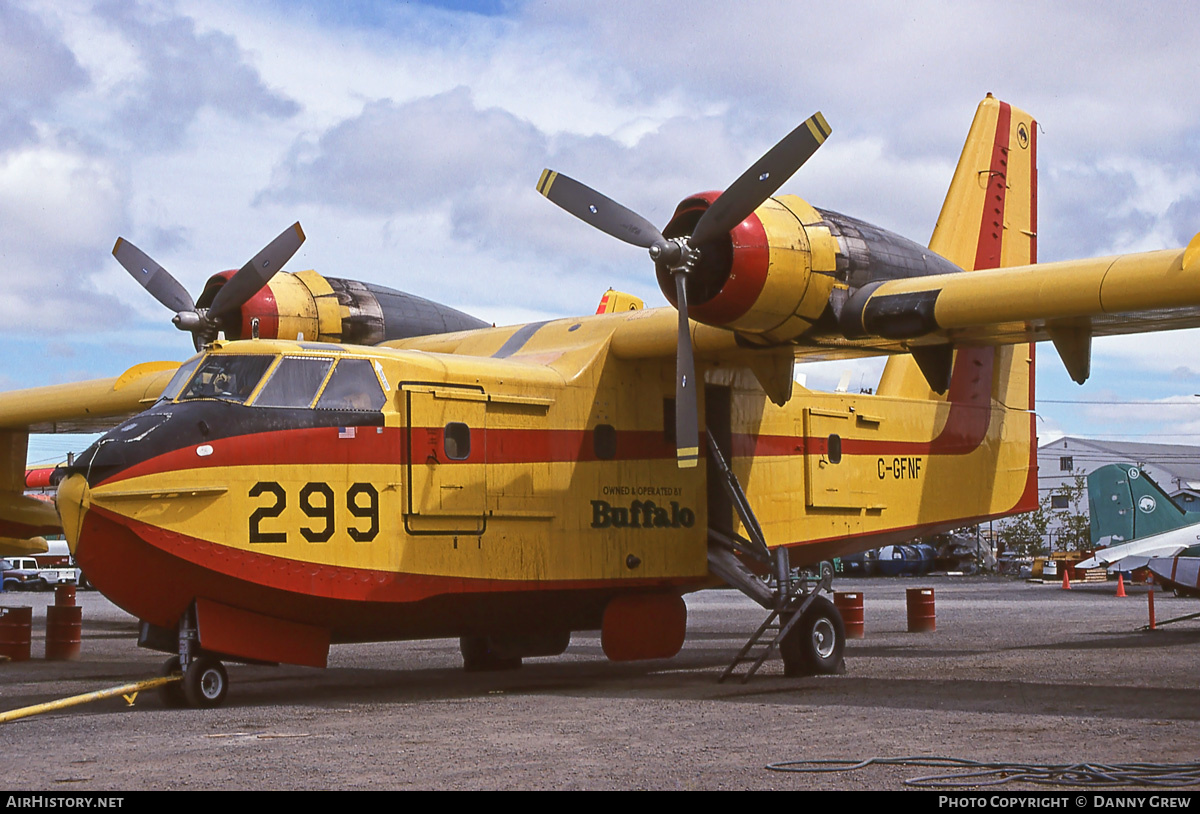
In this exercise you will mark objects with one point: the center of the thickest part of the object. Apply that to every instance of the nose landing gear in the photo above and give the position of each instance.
(203, 681)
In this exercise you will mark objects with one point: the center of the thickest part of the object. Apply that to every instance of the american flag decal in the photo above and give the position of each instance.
(345, 432)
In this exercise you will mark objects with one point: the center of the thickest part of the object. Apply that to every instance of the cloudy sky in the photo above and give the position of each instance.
(407, 138)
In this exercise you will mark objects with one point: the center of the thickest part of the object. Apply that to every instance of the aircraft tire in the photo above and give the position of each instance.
(205, 683)
(478, 656)
(817, 644)
(172, 694)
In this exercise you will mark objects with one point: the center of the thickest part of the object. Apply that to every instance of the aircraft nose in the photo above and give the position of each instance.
(73, 499)
(107, 456)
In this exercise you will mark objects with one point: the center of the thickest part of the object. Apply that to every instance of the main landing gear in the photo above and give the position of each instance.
(807, 628)
(203, 683)
(816, 644)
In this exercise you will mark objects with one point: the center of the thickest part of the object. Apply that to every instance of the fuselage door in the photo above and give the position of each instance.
(445, 459)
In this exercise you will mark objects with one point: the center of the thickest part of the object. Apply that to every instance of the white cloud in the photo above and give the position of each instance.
(57, 204)
(409, 157)
(36, 69)
(408, 144)
(181, 70)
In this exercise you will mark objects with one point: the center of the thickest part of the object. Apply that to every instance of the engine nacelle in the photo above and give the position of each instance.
(306, 305)
(789, 265)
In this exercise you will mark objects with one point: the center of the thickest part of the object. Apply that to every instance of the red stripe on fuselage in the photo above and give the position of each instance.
(322, 446)
(966, 424)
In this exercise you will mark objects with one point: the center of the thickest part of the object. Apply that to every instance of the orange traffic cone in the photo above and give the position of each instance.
(1066, 586)
(1120, 584)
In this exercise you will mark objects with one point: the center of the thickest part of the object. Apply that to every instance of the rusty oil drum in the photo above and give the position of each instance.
(64, 594)
(850, 605)
(16, 628)
(64, 632)
(921, 616)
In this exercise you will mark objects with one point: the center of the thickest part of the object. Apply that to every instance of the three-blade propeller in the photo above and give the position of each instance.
(204, 323)
(680, 255)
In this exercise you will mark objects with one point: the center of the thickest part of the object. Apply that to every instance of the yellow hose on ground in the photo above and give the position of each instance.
(125, 690)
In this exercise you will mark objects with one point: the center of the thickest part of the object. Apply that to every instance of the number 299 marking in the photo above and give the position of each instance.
(317, 501)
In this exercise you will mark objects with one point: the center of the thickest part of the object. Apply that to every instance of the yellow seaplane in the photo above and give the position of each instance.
(351, 463)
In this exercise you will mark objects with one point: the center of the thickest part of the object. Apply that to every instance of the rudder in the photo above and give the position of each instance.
(988, 220)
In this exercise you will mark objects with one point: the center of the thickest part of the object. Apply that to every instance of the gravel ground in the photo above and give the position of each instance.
(1015, 672)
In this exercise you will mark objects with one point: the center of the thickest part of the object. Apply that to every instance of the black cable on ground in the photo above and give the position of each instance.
(970, 773)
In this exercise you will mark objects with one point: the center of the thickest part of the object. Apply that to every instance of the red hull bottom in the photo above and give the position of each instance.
(157, 575)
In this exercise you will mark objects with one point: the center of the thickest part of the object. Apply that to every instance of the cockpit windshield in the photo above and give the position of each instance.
(181, 378)
(227, 377)
(295, 382)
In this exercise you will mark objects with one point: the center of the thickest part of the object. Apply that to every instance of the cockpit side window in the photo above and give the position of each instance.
(295, 382)
(227, 378)
(353, 386)
(181, 378)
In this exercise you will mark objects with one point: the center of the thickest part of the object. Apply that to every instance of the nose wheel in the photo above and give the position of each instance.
(203, 684)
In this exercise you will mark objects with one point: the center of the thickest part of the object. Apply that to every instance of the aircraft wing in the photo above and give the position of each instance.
(89, 406)
(78, 407)
(1133, 555)
(1066, 302)
(12, 547)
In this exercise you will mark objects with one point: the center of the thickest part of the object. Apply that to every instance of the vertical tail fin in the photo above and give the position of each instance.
(1125, 504)
(988, 220)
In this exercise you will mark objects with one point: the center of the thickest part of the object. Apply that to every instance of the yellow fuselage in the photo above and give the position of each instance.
(530, 462)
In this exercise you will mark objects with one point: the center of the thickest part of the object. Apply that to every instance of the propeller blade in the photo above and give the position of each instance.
(761, 181)
(687, 419)
(604, 213)
(251, 277)
(152, 277)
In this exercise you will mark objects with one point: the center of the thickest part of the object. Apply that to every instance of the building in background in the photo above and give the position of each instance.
(1174, 467)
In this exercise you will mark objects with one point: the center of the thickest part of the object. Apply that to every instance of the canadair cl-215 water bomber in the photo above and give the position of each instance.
(351, 463)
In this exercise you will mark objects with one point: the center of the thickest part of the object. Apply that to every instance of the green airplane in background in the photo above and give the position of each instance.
(1142, 526)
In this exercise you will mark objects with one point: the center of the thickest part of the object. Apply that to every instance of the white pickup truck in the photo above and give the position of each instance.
(24, 573)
